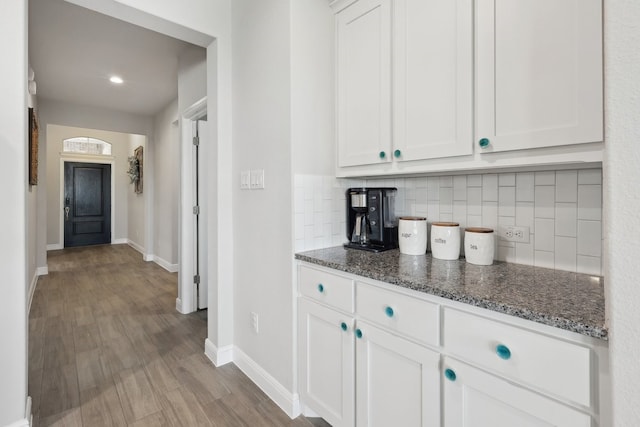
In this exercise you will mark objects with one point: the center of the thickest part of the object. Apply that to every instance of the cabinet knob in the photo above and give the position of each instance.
(450, 374)
(388, 311)
(382, 154)
(484, 142)
(503, 352)
(397, 153)
(358, 333)
(320, 287)
(343, 326)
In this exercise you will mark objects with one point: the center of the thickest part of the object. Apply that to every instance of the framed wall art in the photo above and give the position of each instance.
(139, 155)
(136, 169)
(33, 147)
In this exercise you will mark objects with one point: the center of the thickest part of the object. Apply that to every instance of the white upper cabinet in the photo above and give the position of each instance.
(432, 78)
(364, 82)
(538, 73)
(426, 86)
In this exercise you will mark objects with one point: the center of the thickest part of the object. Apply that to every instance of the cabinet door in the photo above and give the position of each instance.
(397, 381)
(539, 73)
(473, 398)
(326, 357)
(433, 77)
(364, 83)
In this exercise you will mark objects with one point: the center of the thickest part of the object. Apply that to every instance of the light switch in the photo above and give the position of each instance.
(257, 179)
(245, 180)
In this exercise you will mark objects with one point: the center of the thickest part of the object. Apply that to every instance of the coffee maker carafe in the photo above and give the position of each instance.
(371, 222)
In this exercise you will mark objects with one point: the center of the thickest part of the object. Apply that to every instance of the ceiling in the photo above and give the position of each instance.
(74, 51)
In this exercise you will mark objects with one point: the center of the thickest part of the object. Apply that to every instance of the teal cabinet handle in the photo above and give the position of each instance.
(358, 333)
(397, 153)
(382, 154)
(503, 352)
(320, 287)
(484, 142)
(343, 326)
(450, 374)
(388, 311)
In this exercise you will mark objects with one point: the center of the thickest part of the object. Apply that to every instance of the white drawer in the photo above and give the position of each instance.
(553, 365)
(327, 288)
(406, 315)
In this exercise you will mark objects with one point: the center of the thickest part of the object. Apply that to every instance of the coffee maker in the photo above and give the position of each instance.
(371, 221)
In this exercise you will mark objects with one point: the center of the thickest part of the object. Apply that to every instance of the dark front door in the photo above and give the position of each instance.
(87, 204)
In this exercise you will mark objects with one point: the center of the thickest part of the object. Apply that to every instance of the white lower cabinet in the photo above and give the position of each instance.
(474, 398)
(326, 358)
(403, 358)
(397, 381)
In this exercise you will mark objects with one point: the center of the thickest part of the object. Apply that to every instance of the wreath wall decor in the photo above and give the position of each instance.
(136, 169)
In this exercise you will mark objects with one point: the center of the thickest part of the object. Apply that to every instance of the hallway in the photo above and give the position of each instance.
(108, 348)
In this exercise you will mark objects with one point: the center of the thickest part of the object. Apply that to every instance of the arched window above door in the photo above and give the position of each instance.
(86, 145)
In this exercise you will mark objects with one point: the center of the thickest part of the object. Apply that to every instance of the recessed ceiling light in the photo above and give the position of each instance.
(115, 79)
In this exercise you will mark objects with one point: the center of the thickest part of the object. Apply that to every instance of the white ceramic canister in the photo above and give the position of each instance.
(479, 245)
(412, 235)
(445, 240)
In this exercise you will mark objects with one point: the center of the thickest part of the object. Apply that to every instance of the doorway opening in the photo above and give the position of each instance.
(194, 277)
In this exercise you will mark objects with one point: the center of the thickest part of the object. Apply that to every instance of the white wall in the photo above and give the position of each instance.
(262, 218)
(68, 114)
(13, 175)
(195, 14)
(622, 204)
(312, 87)
(41, 202)
(135, 208)
(166, 200)
(120, 151)
(192, 77)
(32, 214)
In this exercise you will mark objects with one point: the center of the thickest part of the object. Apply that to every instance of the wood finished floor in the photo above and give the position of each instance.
(108, 348)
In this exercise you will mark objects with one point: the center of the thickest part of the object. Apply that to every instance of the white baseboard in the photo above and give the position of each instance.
(287, 401)
(32, 289)
(55, 247)
(135, 246)
(26, 421)
(179, 306)
(27, 412)
(307, 412)
(219, 356)
(120, 242)
(171, 268)
(148, 257)
(40, 271)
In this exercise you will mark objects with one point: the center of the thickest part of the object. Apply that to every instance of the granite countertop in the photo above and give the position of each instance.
(562, 299)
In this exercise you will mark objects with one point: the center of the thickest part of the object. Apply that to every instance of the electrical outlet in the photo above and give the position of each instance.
(512, 233)
(254, 322)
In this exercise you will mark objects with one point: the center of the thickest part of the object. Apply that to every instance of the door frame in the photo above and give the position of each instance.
(186, 302)
(70, 158)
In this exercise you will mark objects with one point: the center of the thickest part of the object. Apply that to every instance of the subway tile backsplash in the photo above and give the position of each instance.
(563, 210)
